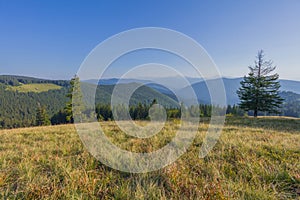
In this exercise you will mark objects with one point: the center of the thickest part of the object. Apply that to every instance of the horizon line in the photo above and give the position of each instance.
(137, 78)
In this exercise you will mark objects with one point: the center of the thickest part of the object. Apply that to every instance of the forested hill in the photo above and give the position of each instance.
(291, 105)
(20, 97)
(19, 80)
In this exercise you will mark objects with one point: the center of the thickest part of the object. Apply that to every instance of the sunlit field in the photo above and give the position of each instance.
(254, 159)
(34, 87)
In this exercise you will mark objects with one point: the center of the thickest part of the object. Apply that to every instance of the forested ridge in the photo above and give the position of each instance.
(19, 109)
(17, 80)
(291, 105)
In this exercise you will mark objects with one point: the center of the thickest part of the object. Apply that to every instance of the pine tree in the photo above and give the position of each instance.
(75, 105)
(153, 102)
(59, 117)
(259, 90)
(42, 118)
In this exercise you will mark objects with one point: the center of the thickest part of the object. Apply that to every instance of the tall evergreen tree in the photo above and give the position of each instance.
(42, 118)
(153, 102)
(75, 104)
(259, 90)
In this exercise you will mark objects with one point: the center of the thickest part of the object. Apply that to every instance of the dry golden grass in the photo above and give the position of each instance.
(254, 159)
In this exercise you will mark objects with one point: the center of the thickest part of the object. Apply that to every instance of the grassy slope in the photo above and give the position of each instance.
(34, 87)
(254, 159)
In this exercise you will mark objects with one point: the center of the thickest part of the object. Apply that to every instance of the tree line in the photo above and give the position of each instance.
(104, 112)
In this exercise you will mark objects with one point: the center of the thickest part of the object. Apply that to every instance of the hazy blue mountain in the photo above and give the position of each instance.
(291, 105)
(231, 86)
(113, 81)
(162, 89)
(144, 94)
(288, 85)
(290, 97)
(174, 82)
(152, 84)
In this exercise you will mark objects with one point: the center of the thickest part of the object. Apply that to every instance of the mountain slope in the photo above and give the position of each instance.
(292, 86)
(18, 109)
(291, 105)
(158, 87)
(173, 82)
(143, 94)
(231, 86)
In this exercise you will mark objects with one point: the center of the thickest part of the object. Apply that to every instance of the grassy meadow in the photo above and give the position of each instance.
(34, 87)
(254, 159)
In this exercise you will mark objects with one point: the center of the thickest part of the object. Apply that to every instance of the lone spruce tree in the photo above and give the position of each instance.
(75, 104)
(259, 90)
(42, 118)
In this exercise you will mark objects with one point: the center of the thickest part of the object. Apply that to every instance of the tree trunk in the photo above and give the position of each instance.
(255, 113)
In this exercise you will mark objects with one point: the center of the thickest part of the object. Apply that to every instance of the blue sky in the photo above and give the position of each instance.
(50, 39)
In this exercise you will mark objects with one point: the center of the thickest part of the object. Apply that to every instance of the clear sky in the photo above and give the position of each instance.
(50, 39)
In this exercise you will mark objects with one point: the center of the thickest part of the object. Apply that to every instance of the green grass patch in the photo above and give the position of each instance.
(34, 87)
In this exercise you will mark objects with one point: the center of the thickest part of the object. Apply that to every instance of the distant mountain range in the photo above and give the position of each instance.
(231, 85)
(167, 88)
(173, 83)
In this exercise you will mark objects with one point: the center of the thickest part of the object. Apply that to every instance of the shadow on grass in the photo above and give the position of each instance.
(291, 125)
